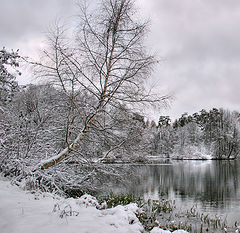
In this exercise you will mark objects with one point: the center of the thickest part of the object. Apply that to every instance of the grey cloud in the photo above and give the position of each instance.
(27, 18)
(198, 41)
(197, 31)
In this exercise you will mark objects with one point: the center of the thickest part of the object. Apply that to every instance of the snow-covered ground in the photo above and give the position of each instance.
(23, 212)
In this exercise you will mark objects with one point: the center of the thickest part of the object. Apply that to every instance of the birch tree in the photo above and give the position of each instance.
(105, 58)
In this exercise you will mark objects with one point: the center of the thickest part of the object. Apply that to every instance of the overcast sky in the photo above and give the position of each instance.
(198, 42)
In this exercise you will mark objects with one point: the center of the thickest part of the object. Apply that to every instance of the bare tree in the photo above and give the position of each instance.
(106, 59)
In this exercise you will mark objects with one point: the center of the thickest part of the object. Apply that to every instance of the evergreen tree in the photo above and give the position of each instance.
(7, 79)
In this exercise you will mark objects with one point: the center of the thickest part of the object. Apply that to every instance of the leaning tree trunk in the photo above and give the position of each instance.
(44, 164)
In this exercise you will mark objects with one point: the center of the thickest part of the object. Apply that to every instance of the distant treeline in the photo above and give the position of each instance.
(207, 133)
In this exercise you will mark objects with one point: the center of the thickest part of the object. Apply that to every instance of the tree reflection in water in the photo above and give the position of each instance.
(211, 186)
(214, 183)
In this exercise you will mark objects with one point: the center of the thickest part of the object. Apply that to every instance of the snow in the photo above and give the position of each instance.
(24, 212)
(158, 230)
(63, 152)
(193, 152)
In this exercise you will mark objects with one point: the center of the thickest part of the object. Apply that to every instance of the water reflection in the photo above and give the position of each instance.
(214, 183)
(212, 186)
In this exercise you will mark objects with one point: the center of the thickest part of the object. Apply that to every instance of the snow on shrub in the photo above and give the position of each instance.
(87, 200)
(122, 215)
(118, 217)
(159, 230)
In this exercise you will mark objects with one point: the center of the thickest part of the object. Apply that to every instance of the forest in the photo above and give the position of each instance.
(212, 134)
(39, 121)
(85, 111)
(80, 134)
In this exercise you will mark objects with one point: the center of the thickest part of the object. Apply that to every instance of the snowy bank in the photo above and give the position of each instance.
(192, 153)
(23, 212)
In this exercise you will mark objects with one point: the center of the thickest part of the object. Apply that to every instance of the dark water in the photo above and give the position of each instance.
(214, 186)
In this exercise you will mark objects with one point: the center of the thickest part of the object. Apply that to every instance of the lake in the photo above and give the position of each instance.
(212, 186)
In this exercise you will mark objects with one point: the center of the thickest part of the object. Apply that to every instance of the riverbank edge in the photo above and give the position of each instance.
(52, 213)
(163, 160)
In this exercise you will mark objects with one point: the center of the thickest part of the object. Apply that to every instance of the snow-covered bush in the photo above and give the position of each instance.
(193, 152)
(9, 61)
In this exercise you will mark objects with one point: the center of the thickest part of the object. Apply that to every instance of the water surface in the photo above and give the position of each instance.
(211, 185)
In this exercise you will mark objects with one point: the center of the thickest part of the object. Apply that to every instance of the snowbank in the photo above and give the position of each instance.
(23, 212)
(192, 152)
(158, 230)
